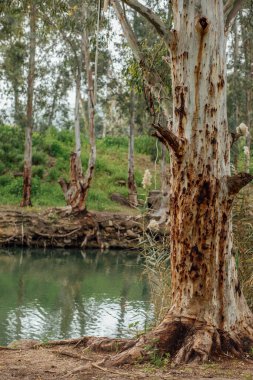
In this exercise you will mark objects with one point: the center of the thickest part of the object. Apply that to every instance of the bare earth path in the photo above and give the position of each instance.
(77, 363)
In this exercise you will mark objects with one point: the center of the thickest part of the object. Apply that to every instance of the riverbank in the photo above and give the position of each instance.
(61, 228)
(75, 362)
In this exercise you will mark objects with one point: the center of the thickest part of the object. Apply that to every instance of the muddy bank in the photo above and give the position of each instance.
(60, 228)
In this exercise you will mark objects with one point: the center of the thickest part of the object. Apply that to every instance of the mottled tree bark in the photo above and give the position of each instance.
(27, 175)
(208, 314)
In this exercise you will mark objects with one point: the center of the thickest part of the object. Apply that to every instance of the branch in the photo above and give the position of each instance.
(234, 137)
(154, 20)
(232, 8)
(151, 77)
(236, 182)
(169, 139)
(128, 32)
(64, 186)
(227, 6)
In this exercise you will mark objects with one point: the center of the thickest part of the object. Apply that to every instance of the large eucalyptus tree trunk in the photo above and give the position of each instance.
(208, 313)
(27, 174)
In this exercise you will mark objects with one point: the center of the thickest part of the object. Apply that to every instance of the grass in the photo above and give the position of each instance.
(51, 151)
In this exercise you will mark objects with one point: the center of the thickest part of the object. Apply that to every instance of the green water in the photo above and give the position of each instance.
(58, 294)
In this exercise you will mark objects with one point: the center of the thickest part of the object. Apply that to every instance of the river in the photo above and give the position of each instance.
(59, 294)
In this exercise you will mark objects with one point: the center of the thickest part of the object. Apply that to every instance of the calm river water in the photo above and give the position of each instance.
(58, 294)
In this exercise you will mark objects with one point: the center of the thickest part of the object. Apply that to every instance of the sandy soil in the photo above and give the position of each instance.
(78, 363)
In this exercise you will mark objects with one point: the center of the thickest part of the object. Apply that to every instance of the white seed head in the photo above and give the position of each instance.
(242, 129)
(146, 181)
(246, 151)
(153, 225)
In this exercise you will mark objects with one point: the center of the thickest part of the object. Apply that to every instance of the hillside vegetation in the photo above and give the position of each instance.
(51, 152)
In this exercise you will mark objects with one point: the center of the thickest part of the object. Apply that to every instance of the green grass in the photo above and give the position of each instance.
(51, 152)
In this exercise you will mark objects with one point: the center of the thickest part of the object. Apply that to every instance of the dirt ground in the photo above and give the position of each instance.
(78, 363)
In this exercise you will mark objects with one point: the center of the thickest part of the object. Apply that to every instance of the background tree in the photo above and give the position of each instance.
(27, 175)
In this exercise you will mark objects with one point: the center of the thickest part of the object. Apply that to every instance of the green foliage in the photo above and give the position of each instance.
(155, 357)
(51, 151)
(53, 175)
(5, 179)
(2, 167)
(39, 158)
(15, 187)
(38, 171)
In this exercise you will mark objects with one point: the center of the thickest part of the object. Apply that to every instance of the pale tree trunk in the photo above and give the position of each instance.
(208, 314)
(104, 128)
(91, 111)
(76, 191)
(235, 79)
(27, 175)
(247, 50)
(132, 189)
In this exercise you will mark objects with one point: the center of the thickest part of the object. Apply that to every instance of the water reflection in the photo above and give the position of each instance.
(62, 294)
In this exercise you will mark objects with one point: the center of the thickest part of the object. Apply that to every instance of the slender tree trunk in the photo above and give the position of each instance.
(54, 101)
(91, 112)
(132, 189)
(247, 51)
(208, 313)
(104, 128)
(77, 123)
(27, 175)
(17, 108)
(235, 79)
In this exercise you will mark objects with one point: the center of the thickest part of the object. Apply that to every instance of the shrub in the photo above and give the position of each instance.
(2, 167)
(38, 171)
(118, 142)
(39, 158)
(54, 149)
(15, 186)
(53, 175)
(5, 180)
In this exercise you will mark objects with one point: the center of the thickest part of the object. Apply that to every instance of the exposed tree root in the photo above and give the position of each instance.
(187, 341)
(93, 343)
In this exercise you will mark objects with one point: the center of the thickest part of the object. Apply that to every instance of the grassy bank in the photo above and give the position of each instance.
(51, 152)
